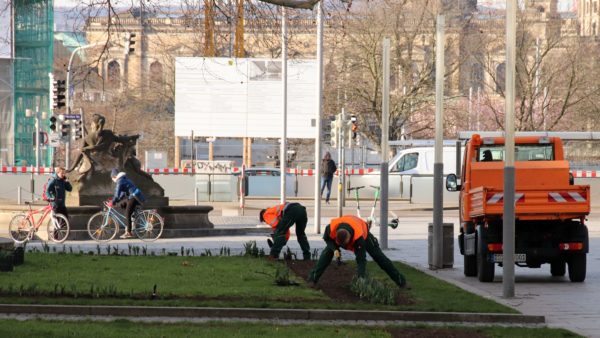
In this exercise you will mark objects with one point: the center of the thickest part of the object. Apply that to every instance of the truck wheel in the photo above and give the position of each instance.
(485, 269)
(558, 269)
(577, 267)
(470, 268)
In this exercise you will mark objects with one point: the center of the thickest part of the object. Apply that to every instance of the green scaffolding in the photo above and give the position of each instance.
(33, 45)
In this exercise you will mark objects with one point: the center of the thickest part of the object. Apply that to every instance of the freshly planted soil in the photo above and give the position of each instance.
(335, 282)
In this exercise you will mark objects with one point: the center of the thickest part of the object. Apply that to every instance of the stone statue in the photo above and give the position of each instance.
(103, 150)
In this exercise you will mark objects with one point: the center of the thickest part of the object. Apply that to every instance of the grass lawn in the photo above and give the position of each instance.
(123, 328)
(202, 281)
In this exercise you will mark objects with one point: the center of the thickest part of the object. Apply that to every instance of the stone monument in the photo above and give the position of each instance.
(103, 150)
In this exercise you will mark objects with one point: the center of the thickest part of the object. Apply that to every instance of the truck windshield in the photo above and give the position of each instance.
(523, 152)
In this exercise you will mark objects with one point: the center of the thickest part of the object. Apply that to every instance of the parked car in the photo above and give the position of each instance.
(258, 171)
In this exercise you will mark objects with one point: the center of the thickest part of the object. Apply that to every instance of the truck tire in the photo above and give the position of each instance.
(470, 267)
(577, 267)
(558, 268)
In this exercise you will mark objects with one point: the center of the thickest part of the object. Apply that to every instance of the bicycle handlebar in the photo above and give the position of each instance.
(356, 188)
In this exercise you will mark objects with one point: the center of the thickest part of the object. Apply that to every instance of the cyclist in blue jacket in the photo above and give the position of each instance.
(127, 192)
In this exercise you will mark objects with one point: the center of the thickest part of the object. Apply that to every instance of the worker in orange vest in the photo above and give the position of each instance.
(351, 233)
(281, 218)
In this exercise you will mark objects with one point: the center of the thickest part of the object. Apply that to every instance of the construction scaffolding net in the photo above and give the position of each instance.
(33, 59)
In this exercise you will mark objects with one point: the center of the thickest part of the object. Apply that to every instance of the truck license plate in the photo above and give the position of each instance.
(519, 258)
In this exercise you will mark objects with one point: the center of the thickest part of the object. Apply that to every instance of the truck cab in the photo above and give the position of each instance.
(549, 209)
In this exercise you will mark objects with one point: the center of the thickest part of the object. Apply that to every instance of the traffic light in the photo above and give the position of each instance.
(65, 129)
(334, 132)
(58, 94)
(129, 43)
(53, 123)
(78, 130)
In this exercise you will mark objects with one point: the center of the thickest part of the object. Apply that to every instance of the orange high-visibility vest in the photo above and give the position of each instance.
(356, 223)
(273, 215)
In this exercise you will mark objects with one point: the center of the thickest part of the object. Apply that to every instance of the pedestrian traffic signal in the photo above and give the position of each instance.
(129, 43)
(58, 94)
(354, 127)
(53, 123)
(77, 130)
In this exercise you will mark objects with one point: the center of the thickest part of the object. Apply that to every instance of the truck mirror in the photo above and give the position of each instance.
(571, 179)
(451, 183)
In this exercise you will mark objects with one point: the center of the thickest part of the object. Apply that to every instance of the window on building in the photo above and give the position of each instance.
(477, 76)
(113, 74)
(156, 74)
(500, 77)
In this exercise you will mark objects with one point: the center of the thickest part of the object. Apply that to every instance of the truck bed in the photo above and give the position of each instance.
(533, 203)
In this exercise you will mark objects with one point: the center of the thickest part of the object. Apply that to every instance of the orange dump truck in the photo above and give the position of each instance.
(549, 209)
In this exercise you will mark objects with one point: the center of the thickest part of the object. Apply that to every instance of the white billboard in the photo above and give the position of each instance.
(226, 97)
(5, 29)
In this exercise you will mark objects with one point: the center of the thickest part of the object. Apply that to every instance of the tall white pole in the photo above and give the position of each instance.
(319, 113)
(508, 240)
(283, 150)
(438, 164)
(385, 127)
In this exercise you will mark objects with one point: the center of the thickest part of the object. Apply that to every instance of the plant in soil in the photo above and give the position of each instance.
(282, 277)
(374, 291)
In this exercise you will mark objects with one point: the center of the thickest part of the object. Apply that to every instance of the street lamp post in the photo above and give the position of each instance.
(68, 93)
(68, 97)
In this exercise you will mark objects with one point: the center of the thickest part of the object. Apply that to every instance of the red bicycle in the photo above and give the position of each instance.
(24, 226)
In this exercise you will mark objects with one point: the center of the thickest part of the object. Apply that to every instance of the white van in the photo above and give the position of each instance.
(419, 161)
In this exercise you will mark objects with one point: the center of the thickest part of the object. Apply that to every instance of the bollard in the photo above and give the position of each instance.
(196, 195)
(19, 201)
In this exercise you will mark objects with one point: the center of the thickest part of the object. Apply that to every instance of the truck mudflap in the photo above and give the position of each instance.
(533, 203)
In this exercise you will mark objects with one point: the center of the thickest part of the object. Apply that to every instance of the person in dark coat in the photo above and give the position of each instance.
(57, 189)
(328, 169)
(127, 192)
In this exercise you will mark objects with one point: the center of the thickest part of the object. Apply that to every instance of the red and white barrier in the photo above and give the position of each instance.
(25, 170)
(235, 170)
(585, 174)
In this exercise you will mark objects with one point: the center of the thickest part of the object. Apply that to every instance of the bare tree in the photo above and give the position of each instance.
(555, 77)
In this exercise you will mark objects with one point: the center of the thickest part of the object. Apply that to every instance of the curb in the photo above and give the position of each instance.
(269, 314)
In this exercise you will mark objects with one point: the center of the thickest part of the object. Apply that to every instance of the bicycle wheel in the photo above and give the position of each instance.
(148, 225)
(20, 228)
(58, 228)
(101, 227)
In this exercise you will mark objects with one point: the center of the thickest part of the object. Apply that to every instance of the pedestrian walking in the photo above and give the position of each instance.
(281, 218)
(328, 169)
(351, 233)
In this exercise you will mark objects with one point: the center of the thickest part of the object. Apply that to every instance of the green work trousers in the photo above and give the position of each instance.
(295, 213)
(361, 247)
